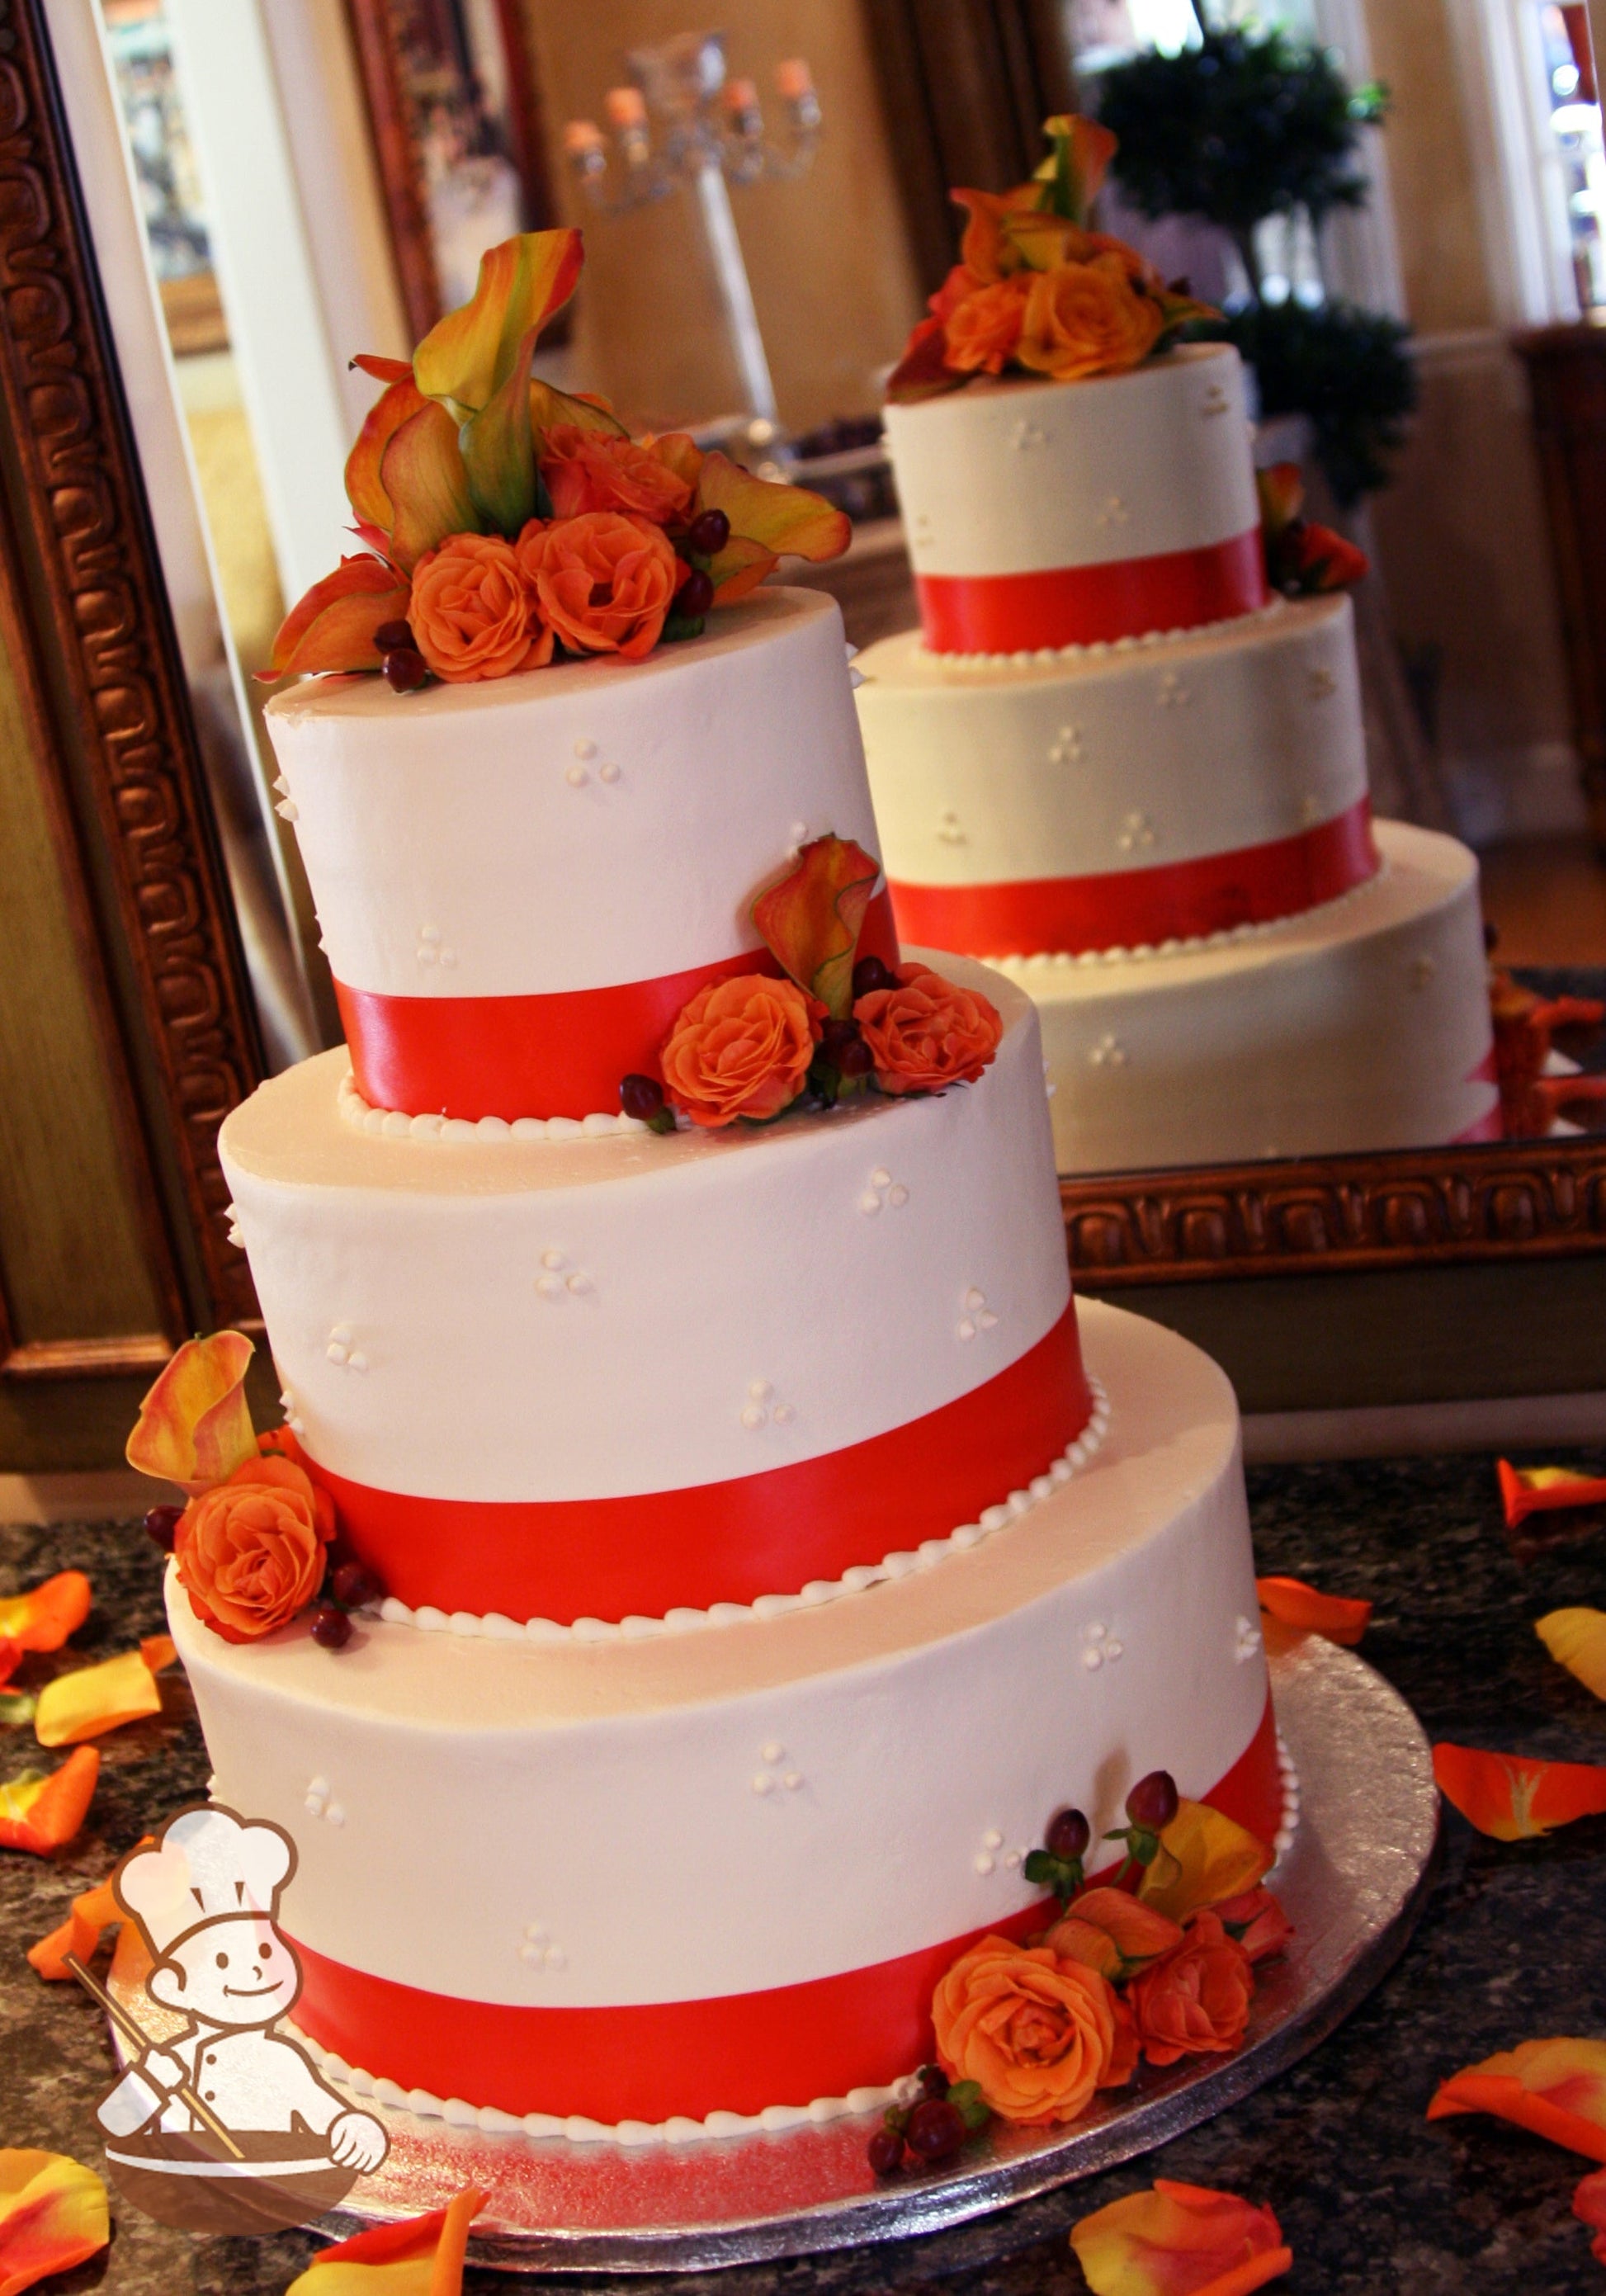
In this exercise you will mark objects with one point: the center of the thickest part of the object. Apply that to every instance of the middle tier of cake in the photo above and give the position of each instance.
(1119, 796)
(614, 1377)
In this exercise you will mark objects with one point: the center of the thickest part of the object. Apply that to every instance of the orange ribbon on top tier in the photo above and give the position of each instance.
(561, 1054)
(1093, 605)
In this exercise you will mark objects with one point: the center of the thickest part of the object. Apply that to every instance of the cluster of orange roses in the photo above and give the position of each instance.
(1034, 288)
(504, 520)
(255, 1543)
(1159, 1971)
(834, 1024)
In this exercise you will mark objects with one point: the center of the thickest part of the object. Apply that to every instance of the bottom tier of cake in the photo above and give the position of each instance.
(721, 1870)
(1361, 1025)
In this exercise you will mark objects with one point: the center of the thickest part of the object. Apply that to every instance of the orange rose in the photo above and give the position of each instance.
(1037, 2035)
(594, 470)
(741, 1047)
(983, 331)
(926, 1034)
(1195, 2003)
(250, 1551)
(1087, 318)
(605, 580)
(473, 612)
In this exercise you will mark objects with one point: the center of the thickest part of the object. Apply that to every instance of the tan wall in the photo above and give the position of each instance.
(1430, 167)
(831, 274)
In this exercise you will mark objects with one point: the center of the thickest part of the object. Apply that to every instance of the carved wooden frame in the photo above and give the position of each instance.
(89, 620)
(1339, 1215)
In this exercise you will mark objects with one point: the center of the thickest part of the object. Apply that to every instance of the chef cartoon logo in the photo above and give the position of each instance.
(224, 2124)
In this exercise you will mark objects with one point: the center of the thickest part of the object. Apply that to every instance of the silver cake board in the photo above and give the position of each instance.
(1352, 1881)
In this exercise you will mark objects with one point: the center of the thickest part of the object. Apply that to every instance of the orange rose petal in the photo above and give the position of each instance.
(1136, 1930)
(1212, 1858)
(551, 408)
(52, 2216)
(1555, 2088)
(40, 1811)
(466, 357)
(1180, 2239)
(1589, 2206)
(1512, 1797)
(376, 2263)
(1576, 1640)
(678, 452)
(92, 1700)
(194, 1426)
(158, 1652)
(790, 520)
(92, 1912)
(1337, 1617)
(43, 1619)
(1534, 1490)
(811, 918)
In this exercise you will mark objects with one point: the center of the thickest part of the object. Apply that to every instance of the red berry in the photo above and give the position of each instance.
(1068, 1836)
(405, 670)
(933, 2081)
(160, 1523)
(870, 973)
(710, 533)
(641, 1096)
(694, 596)
(886, 2149)
(396, 638)
(331, 1627)
(354, 1585)
(936, 2130)
(855, 1058)
(1153, 1802)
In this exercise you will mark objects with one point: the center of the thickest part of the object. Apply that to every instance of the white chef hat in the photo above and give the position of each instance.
(205, 1865)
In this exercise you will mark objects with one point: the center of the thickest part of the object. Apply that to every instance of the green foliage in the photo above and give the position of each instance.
(1245, 125)
(1347, 369)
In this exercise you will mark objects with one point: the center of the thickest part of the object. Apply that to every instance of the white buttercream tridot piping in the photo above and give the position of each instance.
(1059, 960)
(901, 1564)
(492, 2121)
(396, 1124)
(1282, 1841)
(1096, 648)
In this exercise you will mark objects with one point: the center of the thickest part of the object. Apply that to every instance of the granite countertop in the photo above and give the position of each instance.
(1511, 1945)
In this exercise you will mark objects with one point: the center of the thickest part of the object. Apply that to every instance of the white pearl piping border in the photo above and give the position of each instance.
(396, 1124)
(1098, 649)
(901, 1564)
(492, 2121)
(1063, 960)
(1282, 1841)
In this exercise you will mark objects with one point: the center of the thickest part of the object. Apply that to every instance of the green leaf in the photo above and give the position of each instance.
(966, 2098)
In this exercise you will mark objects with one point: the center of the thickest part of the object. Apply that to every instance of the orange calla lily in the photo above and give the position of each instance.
(365, 490)
(1536, 1490)
(1076, 167)
(426, 479)
(1589, 2206)
(52, 2216)
(923, 370)
(785, 521)
(1180, 2239)
(194, 1426)
(465, 357)
(39, 1811)
(987, 249)
(1204, 1859)
(549, 407)
(423, 2257)
(811, 920)
(92, 1912)
(1514, 1798)
(1557, 2089)
(43, 1619)
(1576, 1640)
(94, 1699)
(1281, 487)
(1337, 1617)
(331, 627)
(1112, 1931)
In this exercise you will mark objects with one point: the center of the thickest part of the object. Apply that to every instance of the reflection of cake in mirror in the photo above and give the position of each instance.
(1119, 764)
(750, 1546)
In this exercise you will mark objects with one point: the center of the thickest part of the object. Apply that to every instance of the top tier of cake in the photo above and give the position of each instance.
(518, 884)
(1046, 514)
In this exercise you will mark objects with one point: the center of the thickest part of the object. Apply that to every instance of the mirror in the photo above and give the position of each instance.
(277, 236)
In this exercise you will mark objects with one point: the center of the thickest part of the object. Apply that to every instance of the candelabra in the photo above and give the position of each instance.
(711, 134)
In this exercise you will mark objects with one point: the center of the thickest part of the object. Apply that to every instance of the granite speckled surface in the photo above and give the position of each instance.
(1512, 1944)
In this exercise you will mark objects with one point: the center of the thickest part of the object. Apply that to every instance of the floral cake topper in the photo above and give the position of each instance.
(1036, 291)
(504, 522)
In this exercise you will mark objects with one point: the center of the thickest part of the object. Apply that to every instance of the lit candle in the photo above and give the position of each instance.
(582, 138)
(626, 107)
(742, 95)
(793, 79)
